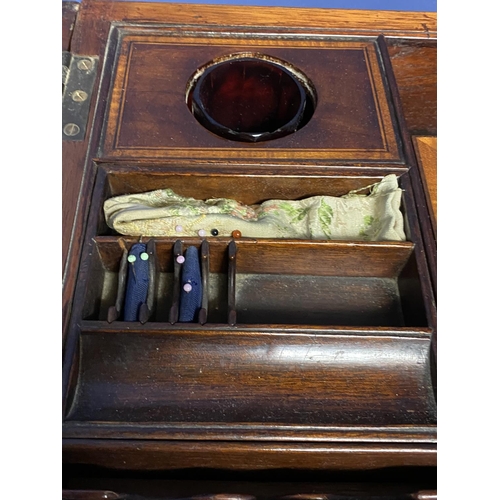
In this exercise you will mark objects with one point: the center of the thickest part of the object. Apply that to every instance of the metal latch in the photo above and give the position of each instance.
(78, 77)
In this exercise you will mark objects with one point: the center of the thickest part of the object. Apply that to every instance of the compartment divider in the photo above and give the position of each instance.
(174, 309)
(96, 327)
(205, 269)
(231, 285)
(114, 312)
(147, 309)
(317, 283)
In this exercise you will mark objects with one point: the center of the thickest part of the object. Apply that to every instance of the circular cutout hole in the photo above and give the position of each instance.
(250, 97)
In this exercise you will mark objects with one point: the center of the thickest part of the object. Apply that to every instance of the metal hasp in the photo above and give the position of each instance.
(78, 77)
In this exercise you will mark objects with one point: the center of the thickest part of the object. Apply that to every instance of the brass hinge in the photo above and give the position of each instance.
(78, 77)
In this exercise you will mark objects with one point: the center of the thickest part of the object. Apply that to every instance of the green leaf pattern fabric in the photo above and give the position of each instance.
(372, 217)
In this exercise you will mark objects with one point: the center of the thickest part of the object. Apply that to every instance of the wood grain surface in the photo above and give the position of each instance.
(408, 57)
(69, 13)
(296, 394)
(347, 22)
(415, 66)
(195, 376)
(158, 455)
(426, 149)
(148, 116)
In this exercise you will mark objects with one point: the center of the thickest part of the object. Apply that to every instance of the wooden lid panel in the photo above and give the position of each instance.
(148, 116)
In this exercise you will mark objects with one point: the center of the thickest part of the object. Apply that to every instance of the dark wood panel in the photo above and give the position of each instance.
(73, 154)
(419, 217)
(246, 186)
(148, 115)
(415, 67)
(69, 13)
(332, 258)
(318, 300)
(337, 258)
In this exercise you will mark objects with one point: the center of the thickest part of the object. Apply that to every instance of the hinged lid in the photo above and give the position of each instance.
(148, 114)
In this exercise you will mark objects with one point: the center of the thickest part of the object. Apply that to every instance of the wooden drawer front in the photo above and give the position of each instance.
(148, 116)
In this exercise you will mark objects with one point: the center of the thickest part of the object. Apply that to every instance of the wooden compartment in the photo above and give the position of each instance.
(304, 339)
(248, 187)
(328, 283)
(142, 377)
(328, 338)
(303, 282)
(280, 282)
(104, 269)
(336, 373)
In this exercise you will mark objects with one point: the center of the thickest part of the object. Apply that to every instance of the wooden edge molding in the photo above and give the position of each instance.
(426, 149)
(339, 21)
(164, 455)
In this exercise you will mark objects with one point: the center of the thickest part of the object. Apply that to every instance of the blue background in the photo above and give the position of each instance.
(403, 5)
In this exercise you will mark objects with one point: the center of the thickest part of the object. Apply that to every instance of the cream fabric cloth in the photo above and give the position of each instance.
(373, 217)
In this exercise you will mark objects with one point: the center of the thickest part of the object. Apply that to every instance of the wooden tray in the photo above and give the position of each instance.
(313, 354)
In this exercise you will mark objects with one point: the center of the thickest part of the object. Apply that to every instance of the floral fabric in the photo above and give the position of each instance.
(372, 217)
